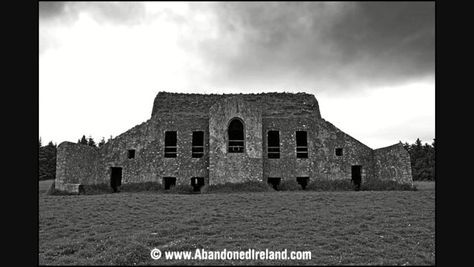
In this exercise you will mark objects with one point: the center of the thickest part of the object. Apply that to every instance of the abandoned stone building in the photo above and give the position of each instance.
(200, 139)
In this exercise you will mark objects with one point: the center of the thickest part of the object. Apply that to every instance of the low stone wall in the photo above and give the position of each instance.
(393, 163)
(66, 187)
(76, 164)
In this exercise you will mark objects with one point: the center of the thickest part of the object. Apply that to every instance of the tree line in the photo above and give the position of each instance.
(47, 161)
(90, 141)
(422, 158)
(47, 156)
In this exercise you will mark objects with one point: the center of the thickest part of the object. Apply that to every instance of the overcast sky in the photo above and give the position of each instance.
(371, 66)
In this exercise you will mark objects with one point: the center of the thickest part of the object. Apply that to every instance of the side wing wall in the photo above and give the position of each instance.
(393, 163)
(332, 166)
(76, 164)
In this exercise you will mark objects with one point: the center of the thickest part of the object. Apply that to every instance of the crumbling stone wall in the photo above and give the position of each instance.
(76, 164)
(271, 104)
(183, 167)
(330, 165)
(149, 164)
(138, 169)
(288, 166)
(393, 163)
(235, 167)
(322, 162)
(260, 113)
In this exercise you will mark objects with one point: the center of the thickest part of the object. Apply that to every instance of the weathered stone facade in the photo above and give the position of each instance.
(258, 113)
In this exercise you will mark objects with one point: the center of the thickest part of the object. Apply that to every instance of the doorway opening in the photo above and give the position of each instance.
(197, 183)
(356, 176)
(168, 182)
(115, 178)
(274, 181)
(303, 181)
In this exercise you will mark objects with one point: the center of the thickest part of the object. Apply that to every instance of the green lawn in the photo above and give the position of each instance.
(390, 227)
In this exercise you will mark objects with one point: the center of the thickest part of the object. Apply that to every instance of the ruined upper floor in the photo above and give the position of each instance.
(272, 104)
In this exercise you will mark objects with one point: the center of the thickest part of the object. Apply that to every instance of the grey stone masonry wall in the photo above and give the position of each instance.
(76, 164)
(288, 166)
(183, 167)
(235, 167)
(322, 162)
(141, 168)
(393, 163)
(149, 164)
(331, 166)
(259, 113)
(271, 104)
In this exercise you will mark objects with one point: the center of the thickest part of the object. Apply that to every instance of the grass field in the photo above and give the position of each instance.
(389, 227)
(424, 185)
(43, 186)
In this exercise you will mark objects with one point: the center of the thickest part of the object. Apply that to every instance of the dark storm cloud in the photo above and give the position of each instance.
(104, 12)
(349, 44)
(50, 9)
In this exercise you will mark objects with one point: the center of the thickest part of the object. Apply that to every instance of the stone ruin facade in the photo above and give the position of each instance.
(200, 139)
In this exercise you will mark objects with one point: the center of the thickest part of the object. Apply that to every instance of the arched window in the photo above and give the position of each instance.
(235, 133)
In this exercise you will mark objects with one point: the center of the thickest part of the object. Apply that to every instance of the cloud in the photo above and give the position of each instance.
(338, 46)
(57, 12)
(103, 12)
(319, 46)
(60, 14)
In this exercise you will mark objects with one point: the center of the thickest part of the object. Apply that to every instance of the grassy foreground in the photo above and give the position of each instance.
(389, 227)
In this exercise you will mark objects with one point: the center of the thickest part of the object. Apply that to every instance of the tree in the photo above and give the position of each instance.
(102, 142)
(83, 140)
(90, 141)
(422, 160)
(47, 161)
(407, 146)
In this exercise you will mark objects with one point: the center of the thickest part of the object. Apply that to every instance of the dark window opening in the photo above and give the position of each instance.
(338, 151)
(198, 144)
(356, 176)
(236, 136)
(170, 144)
(274, 181)
(303, 181)
(301, 144)
(169, 182)
(197, 183)
(273, 145)
(115, 178)
(131, 153)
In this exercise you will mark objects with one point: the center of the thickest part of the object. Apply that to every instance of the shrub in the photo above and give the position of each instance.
(330, 185)
(94, 189)
(204, 189)
(139, 187)
(180, 189)
(289, 185)
(385, 185)
(248, 186)
(52, 191)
